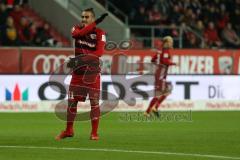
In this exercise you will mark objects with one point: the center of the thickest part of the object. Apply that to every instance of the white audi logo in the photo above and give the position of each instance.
(49, 63)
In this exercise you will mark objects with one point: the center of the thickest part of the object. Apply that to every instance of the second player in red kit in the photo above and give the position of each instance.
(162, 88)
(89, 46)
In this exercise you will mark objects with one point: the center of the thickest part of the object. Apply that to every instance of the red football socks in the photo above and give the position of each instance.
(71, 114)
(95, 115)
(160, 100)
(152, 103)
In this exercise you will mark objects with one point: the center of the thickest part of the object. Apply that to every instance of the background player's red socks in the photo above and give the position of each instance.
(95, 115)
(160, 100)
(71, 114)
(152, 103)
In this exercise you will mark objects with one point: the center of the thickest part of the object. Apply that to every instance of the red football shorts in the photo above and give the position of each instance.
(160, 79)
(82, 86)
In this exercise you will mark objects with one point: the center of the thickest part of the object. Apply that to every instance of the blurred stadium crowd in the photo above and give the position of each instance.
(217, 21)
(21, 26)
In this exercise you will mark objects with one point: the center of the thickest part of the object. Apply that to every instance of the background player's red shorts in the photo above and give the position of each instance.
(83, 85)
(160, 78)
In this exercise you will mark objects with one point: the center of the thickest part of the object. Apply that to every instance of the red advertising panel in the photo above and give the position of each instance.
(189, 61)
(9, 60)
(236, 62)
(203, 62)
(44, 61)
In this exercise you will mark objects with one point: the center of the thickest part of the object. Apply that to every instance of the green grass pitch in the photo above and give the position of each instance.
(209, 135)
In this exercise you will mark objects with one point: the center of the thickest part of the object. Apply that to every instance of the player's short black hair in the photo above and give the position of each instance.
(90, 10)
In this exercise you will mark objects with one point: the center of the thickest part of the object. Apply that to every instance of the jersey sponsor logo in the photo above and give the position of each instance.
(86, 43)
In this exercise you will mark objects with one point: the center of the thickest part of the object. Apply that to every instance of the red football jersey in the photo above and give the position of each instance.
(85, 80)
(89, 40)
(164, 58)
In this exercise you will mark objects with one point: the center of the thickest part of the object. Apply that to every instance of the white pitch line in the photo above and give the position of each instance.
(126, 151)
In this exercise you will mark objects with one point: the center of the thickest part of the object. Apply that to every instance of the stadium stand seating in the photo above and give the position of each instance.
(217, 21)
(22, 26)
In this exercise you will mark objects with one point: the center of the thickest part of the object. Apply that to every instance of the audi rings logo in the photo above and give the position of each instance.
(49, 63)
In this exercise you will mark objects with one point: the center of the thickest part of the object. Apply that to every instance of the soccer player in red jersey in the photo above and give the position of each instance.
(162, 88)
(89, 46)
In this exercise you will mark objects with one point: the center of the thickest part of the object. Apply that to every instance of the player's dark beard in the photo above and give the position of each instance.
(84, 23)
